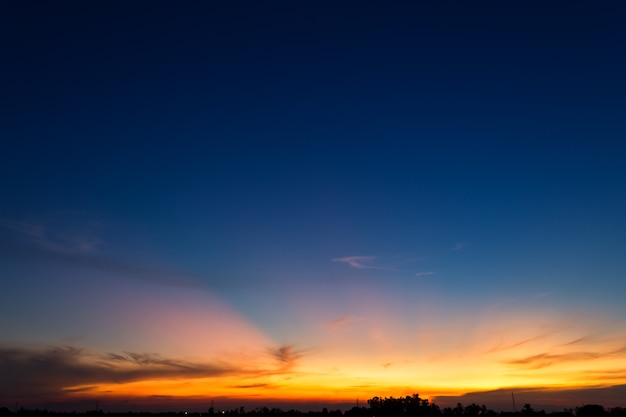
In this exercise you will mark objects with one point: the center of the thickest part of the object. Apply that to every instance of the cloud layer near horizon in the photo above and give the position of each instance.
(366, 342)
(64, 375)
(53, 372)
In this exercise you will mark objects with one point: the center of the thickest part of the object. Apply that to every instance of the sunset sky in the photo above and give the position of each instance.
(309, 203)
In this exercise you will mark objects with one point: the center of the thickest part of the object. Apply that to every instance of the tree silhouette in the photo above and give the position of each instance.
(590, 410)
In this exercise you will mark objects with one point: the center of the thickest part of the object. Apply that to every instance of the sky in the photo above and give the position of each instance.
(312, 203)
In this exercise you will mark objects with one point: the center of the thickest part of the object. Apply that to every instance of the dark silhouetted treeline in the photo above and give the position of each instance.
(409, 406)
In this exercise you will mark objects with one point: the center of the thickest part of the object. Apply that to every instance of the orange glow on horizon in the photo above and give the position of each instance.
(368, 353)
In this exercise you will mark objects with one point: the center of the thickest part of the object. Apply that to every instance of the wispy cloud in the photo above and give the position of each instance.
(25, 229)
(247, 386)
(340, 320)
(359, 262)
(394, 264)
(543, 295)
(606, 373)
(287, 355)
(579, 340)
(458, 246)
(589, 347)
(50, 240)
(544, 360)
(514, 345)
(53, 370)
(58, 367)
(37, 244)
(149, 360)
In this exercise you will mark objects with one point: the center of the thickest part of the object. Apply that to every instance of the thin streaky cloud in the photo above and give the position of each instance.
(544, 360)
(155, 274)
(458, 246)
(52, 369)
(543, 295)
(81, 389)
(424, 273)
(26, 229)
(53, 241)
(246, 386)
(39, 371)
(80, 244)
(583, 339)
(392, 263)
(340, 320)
(619, 351)
(621, 371)
(35, 244)
(510, 346)
(359, 262)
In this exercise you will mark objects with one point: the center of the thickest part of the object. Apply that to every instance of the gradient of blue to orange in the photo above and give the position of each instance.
(305, 204)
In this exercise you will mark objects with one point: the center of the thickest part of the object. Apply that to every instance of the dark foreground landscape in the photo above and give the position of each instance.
(377, 407)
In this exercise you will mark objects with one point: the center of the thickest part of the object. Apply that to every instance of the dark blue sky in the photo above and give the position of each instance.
(270, 151)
